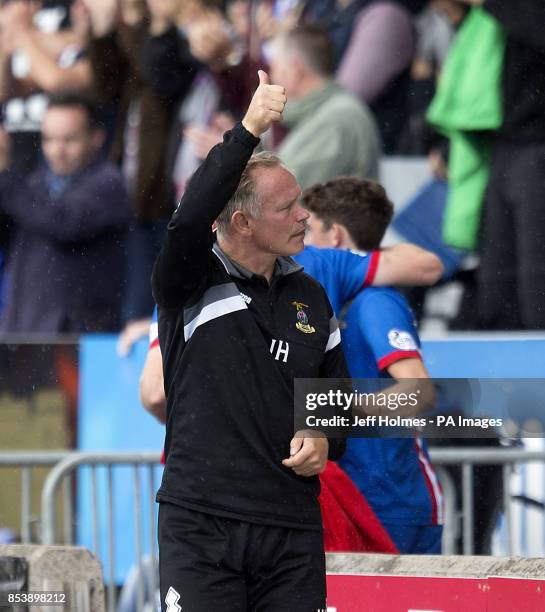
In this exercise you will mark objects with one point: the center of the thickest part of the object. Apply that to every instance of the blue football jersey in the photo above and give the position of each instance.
(395, 475)
(342, 273)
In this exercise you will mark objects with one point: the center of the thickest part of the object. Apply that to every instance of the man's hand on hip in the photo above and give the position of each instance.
(308, 455)
(266, 107)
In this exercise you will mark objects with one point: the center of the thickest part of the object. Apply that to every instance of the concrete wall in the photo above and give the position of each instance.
(71, 569)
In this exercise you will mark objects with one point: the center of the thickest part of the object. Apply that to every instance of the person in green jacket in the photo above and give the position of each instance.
(331, 132)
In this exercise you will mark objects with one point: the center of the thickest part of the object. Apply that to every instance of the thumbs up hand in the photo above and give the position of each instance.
(263, 77)
(266, 106)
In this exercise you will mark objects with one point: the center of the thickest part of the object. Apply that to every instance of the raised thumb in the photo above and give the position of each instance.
(263, 77)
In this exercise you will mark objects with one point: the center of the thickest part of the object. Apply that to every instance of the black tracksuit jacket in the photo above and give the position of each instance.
(231, 350)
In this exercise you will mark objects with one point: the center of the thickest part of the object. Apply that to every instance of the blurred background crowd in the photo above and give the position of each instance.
(108, 106)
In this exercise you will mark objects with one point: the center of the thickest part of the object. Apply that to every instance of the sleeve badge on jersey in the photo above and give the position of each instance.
(302, 319)
(402, 340)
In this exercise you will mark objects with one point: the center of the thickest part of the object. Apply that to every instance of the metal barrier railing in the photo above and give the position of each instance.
(65, 468)
(27, 462)
(65, 464)
(470, 457)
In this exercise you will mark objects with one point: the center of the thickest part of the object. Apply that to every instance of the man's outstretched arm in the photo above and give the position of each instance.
(407, 264)
(185, 256)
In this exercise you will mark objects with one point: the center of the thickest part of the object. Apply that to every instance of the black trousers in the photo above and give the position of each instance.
(511, 277)
(211, 564)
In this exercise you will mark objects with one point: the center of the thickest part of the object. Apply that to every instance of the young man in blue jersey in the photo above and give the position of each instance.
(380, 340)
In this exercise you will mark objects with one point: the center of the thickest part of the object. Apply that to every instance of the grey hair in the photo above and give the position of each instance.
(310, 43)
(247, 198)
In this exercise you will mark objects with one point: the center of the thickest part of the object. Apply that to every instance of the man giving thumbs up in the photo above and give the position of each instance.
(239, 320)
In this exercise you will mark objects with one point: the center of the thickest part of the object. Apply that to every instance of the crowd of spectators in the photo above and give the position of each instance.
(108, 106)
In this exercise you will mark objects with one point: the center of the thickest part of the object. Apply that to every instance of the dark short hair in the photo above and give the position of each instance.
(313, 44)
(361, 206)
(74, 99)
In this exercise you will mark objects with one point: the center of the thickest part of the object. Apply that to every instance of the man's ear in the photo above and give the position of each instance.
(338, 235)
(240, 224)
(298, 69)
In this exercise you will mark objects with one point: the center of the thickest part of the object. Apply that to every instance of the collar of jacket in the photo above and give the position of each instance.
(296, 110)
(283, 267)
(58, 184)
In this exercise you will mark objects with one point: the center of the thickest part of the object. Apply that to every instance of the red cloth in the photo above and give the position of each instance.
(350, 525)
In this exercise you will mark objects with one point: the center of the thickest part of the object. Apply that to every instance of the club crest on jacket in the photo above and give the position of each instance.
(302, 319)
